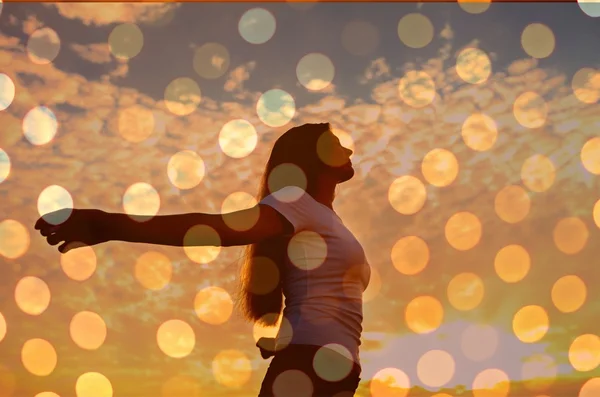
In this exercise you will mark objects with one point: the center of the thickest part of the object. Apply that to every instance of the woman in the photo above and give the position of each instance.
(297, 247)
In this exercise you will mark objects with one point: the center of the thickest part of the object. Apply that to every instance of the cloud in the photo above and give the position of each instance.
(110, 13)
(95, 53)
(236, 78)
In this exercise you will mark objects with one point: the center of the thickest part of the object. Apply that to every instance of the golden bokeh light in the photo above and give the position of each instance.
(512, 204)
(439, 167)
(43, 46)
(40, 125)
(281, 325)
(153, 270)
(39, 357)
(2, 327)
(176, 338)
(186, 169)
(465, 291)
(292, 382)
(585, 84)
(570, 235)
(315, 71)
(238, 201)
(136, 123)
(32, 295)
(202, 244)
(14, 239)
(569, 293)
(590, 155)
(276, 108)
(407, 195)
(297, 250)
(232, 368)
(374, 287)
(332, 362)
(463, 230)
(257, 26)
(211, 60)
(436, 368)
(538, 40)
(591, 387)
(182, 96)
(479, 342)
(479, 132)
(538, 173)
(417, 89)
(473, 65)
(360, 38)
(530, 323)
(213, 305)
(79, 264)
(474, 6)
(592, 9)
(125, 41)
(410, 255)
(530, 110)
(7, 91)
(491, 382)
(181, 386)
(238, 138)
(141, 201)
(512, 263)
(539, 372)
(345, 138)
(287, 174)
(390, 382)
(93, 384)
(4, 164)
(424, 314)
(54, 198)
(269, 276)
(596, 213)
(415, 30)
(584, 352)
(88, 330)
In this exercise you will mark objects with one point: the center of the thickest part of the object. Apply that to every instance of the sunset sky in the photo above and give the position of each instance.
(475, 131)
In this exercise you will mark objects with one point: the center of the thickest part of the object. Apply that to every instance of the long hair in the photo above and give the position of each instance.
(261, 290)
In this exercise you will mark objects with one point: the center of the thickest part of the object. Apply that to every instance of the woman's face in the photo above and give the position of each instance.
(335, 156)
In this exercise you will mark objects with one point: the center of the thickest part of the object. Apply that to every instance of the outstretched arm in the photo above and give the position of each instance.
(91, 227)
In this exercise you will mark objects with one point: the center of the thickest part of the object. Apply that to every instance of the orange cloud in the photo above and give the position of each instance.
(110, 13)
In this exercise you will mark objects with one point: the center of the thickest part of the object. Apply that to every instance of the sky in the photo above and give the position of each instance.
(474, 128)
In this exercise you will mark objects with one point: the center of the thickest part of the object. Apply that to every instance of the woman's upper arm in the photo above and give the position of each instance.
(266, 222)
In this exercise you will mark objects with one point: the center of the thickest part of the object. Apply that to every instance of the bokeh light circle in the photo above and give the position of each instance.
(88, 330)
(439, 167)
(479, 132)
(584, 352)
(213, 305)
(424, 314)
(14, 239)
(93, 384)
(475, 6)
(538, 173)
(202, 244)
(40, 125)
(315, 71)
(390, 382)
(125, 41)
(153, 270)
(5, 165)
(590, 155)
(176, 338)
(39, 357)
(436, 368)
(332, 362)
(410, 255)
(7, 91)
(43, 46)
(590, 8)
(141, 199)
(417, 89)
(182, 96)
(512, 204)
(232, 368)
(538, 40)
(473, 65)
(570, 235)
(530, 110)
(585, 84)
(276, 108)
(136, 123)
(512, 263)
(407, 195)
(54, 198)
(569, 293)
(415, 30)
(257, 26)
(211, 60)
(32, 295)
(186, 169)
(238, 138)
(530, 323)
(465, 291)
(463, 230)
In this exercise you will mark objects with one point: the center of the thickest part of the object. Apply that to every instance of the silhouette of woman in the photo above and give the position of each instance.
(297, 248)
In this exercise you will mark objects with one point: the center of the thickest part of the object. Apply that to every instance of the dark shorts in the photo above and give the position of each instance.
(294, 371)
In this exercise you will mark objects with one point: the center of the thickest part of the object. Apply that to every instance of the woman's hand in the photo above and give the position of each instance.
(76, 227)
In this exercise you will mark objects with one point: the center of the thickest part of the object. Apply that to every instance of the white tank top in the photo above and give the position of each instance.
(325, 276)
